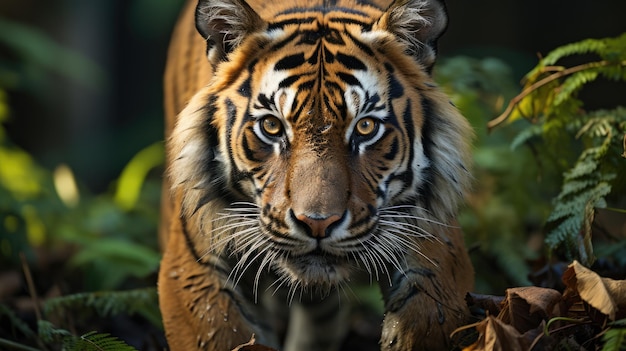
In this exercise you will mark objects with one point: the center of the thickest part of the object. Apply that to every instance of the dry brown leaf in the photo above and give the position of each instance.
(604, 294)
(617, 289)
(526, 307)
(495, 335)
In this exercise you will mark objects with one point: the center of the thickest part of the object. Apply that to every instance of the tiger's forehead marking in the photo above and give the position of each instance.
(326, 76)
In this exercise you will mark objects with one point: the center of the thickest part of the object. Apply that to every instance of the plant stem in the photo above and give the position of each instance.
(562, 73)
(15, 346)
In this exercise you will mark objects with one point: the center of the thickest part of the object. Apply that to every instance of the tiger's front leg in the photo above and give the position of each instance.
(426, 304)
(200, 310)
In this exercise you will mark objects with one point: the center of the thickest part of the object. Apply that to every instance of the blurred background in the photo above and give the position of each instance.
(81, 151)
(97, 102)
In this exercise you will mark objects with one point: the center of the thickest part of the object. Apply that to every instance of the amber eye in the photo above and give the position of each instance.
(366, 126)
(272, 126)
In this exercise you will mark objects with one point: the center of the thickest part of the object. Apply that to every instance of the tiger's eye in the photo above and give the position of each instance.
(366, 126)
(272, 125)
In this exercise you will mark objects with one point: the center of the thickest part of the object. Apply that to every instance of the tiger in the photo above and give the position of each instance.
(309, 148)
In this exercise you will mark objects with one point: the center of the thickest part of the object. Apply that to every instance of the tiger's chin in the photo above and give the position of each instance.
(315, 271)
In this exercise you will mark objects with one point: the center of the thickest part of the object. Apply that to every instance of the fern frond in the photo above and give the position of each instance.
(615, 337)
(525, 135)
(614, 49)
(574, 186)
(93, 341)
(110, 303)
(48, 333)
(577, 48)
(566, 232)
(574, 215)
(583, 167)
(573, 84)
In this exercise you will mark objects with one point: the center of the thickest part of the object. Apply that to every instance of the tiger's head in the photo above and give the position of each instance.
(321, 143)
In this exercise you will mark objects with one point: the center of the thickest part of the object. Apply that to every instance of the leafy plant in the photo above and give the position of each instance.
(586, 145)
(109, 303)
(97, 342)
(499, 209)
(615, 337)
(108, 238)
(75, 240)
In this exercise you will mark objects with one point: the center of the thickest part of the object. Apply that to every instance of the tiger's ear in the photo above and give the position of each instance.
(224, 24)
(418, 24)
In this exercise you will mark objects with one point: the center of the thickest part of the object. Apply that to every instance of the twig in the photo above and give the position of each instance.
(31, 286)
(33, 293)
(517, 99)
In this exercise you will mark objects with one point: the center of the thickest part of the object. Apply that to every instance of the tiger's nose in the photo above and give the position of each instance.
(318, 226)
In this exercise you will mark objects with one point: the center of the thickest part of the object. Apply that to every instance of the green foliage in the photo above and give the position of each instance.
(95, 242)
(615, 337)
(585, 146)
(109, 303)
(49, 334)
(96, 342)
(500, 208)
(105, 304)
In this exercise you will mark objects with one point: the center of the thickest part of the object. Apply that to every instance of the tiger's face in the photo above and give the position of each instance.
(320, 147)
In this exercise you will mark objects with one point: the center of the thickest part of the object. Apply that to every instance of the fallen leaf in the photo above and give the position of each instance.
(495, 335)
(606, 295)
(526, 307)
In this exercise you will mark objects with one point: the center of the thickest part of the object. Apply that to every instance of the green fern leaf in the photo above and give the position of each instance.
(566, 232)
(109, 303)
(578, 48)
(525, 135)
(586, 46)
(93, 341)
(615, 337)
(615, 49)
(575, 215)
(49, 333)
(573, 83)
(572, 187)
(583, 167)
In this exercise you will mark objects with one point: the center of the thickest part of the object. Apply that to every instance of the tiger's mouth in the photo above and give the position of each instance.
(315, 269)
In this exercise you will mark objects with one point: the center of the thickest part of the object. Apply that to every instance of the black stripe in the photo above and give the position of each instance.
(349, 79)
(289, 80)
(393, 150)
(361, 45)
(245, 89)
(282, 24)
(246, 149)
(350, 62)
(264, 102)
(396, 89)
(323, 9)
(346, 20)
(282, 43)
(290, 62)
(426, 189)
